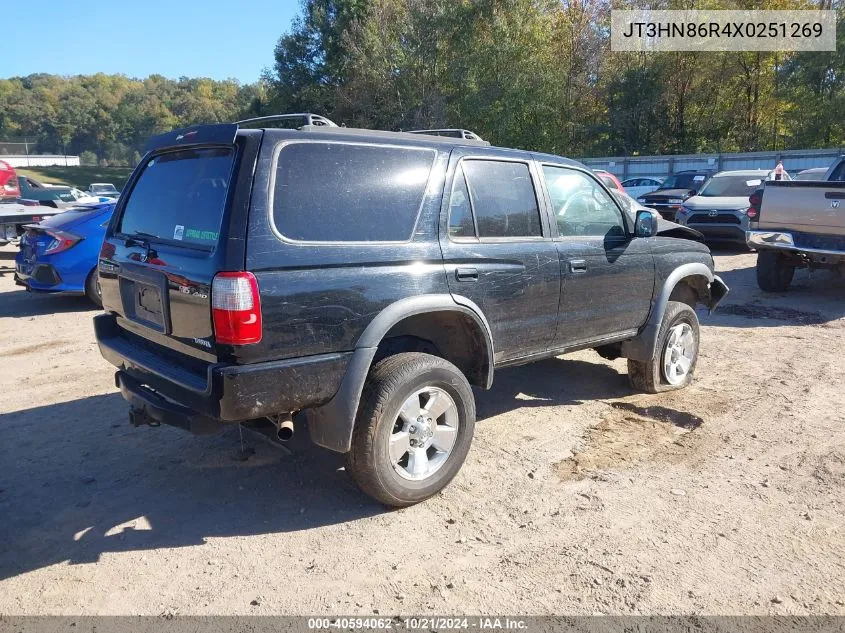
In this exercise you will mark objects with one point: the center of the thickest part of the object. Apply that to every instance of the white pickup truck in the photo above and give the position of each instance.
(798, 224)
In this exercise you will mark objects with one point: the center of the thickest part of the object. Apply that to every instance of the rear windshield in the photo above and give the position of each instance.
(180, 196)
(344, 192)
(684, 181)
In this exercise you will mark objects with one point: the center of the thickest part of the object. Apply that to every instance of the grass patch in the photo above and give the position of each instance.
(79, 177)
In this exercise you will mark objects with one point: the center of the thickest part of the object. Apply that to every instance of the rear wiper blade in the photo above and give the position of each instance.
(140, 238)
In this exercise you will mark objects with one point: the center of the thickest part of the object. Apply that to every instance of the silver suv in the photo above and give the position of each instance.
(719, 210)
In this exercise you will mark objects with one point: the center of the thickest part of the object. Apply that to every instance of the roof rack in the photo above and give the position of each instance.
(450, 132)
(307, 117)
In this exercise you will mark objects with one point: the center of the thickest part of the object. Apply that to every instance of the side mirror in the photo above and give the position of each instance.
(646, 223)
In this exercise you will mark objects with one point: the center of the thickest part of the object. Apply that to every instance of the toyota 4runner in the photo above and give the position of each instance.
(369, 279)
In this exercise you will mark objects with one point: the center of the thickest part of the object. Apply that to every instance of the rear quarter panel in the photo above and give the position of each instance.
(319, 297)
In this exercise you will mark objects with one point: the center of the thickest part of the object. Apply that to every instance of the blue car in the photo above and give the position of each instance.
(59, 254)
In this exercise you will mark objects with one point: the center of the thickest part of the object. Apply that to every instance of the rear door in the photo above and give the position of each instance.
(607, 275)
(170, 234)
(498, 251)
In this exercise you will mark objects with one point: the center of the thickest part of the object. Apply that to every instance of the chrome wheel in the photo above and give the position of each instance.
(679, 353)
(424, 433)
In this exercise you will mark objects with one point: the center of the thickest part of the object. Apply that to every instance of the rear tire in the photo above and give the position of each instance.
(92, 289)
(675, 354)
(400, 454)
(774, 273)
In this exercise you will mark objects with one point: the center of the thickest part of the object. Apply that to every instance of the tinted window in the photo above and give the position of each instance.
(180, 196)
(684, 181)
(503, 198)
(336, 192)
(838, 174)
(732, 186)
(460, 213)
(580, 205)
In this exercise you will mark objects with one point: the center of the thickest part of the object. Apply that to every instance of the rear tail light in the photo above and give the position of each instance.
(61, 242)
(236, 308)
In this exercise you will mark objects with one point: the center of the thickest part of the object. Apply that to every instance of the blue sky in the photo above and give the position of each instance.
(196, 38)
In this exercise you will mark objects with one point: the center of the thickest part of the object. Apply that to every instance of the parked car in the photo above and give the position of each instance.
(59, 254)
(798, 225)
(637, 187)
(103, 189)
(667, 198)
(14, 216)
(251, 274)
(719, 210)
(32, 189)
(610, 181)
(9, 189)
(814, 173)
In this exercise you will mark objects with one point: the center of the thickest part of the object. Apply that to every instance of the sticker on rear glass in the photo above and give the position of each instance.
(698, 178)
(178, 232)
(196, 234)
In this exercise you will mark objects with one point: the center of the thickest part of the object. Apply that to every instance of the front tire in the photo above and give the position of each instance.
(413, 429)
(774, 273)
(675, 355)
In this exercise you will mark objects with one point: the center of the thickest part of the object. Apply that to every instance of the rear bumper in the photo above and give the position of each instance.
(785, 241)
(189, 396)
(38, 276)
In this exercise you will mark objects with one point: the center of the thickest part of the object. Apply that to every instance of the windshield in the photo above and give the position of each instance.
(684, 181)
(104, 188)
(731, 186)
(180, 196)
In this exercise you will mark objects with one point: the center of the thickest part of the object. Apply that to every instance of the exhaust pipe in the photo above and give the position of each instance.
(284, 428)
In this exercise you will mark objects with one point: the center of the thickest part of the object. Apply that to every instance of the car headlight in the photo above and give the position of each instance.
(675, 201)
(640, 200)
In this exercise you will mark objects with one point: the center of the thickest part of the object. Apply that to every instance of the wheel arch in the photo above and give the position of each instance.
(689, 283)
(455, 327)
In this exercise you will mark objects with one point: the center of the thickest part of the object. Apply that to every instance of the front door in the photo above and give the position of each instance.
(499, 253)
(607, 275)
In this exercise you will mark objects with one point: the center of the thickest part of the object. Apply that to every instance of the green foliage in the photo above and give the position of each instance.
(539, 74)
(535, 74)
(113, 116)
(79, 177)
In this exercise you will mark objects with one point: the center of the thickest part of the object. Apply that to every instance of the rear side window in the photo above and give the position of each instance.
(180, 196)
(502, 200)
(342, 192)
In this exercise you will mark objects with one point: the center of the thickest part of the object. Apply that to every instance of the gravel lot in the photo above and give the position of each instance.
(578, 496)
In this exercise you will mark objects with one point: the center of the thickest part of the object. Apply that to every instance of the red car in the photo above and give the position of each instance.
(8, 181)
(611, 181)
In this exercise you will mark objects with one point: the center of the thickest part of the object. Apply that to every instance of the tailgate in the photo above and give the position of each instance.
(807, 207)
(168, 239)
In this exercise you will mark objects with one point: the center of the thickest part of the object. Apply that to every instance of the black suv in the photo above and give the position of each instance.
(368, 279)
(670, 195)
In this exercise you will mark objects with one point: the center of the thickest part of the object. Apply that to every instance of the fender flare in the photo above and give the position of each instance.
(642, 346)
(331, 424)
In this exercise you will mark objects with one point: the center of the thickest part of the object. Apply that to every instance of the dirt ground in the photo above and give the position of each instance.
(578, 496)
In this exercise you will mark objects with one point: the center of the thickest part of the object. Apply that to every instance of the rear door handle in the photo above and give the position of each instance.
(466, 274)
(578, 265)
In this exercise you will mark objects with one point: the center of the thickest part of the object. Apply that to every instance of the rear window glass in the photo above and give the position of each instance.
(181, 196)
(337, 192)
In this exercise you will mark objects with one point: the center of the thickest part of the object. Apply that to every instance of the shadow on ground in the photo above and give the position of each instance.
(78, 481)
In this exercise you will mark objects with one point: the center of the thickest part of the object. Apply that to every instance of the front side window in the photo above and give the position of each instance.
(581, 207)
(344, 192)
(502, 199)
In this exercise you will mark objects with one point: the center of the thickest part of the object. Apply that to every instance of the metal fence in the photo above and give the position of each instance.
(625, 167)
(40, 160)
